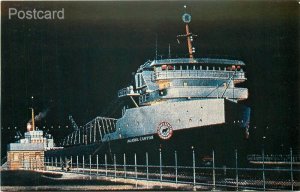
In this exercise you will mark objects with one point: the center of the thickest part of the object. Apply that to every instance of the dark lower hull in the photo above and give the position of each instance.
(222, 139)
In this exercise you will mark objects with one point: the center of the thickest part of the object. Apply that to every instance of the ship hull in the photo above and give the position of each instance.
(222, 140)
(161, 135)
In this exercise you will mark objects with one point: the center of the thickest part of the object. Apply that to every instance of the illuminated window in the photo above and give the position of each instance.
(16, 156)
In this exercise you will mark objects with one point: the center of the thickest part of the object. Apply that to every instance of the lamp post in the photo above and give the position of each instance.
(264, 142)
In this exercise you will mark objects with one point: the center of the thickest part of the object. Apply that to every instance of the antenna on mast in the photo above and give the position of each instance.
(169, 51)
(156, 47)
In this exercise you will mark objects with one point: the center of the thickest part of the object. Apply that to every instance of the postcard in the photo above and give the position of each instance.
(149, 95)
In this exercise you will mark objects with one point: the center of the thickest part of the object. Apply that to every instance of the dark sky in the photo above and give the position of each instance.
(76, 65)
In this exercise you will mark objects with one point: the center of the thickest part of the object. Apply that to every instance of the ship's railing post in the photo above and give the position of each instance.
(194, 167)
(77, 164)
(90, 158)
(147, 167)
(105, 159)
(160, 164)
(65, 163)
(82, 163)
(292, 178)
(214, 171)
(115, 166)
(124, 157)
(55, 162)
(263, 169)
(97, 163)
(135, 166)
(236, 170)
(176, 168)
(71, 160)
(60, 163)
(52, 163)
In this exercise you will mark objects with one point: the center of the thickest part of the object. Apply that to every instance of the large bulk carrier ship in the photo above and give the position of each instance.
(179, 104)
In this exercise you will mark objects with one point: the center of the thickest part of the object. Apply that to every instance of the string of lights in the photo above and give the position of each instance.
(37, 127)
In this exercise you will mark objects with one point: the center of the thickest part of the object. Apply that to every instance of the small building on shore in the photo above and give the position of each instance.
(28, 152)
(27, 156)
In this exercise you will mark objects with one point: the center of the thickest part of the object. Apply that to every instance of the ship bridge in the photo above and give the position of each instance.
(192, 78)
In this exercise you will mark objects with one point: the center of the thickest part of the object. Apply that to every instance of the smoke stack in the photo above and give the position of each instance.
(32, 119)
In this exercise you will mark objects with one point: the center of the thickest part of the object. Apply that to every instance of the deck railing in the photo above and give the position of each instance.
(210, 175)
(274, 158)
(198, 60)
(123, 92)
(200, 74)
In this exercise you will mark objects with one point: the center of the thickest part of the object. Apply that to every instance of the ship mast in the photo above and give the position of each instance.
(189, 42)
(189, 36)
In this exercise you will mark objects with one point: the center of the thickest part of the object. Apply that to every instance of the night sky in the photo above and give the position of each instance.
(75, 66)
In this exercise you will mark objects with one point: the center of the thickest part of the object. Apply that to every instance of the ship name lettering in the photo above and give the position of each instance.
(146, 138)
(133, 140)
(138, 139)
